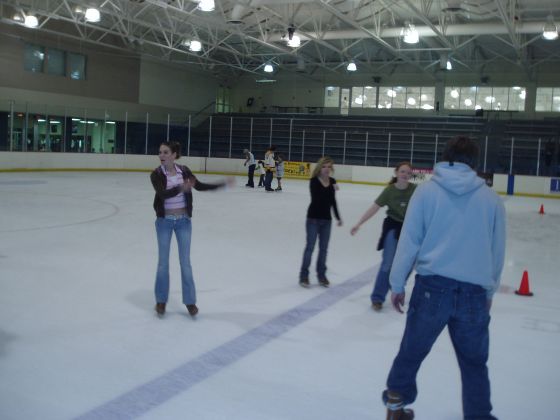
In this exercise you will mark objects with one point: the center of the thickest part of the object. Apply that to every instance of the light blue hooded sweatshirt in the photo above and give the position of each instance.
(454, 227)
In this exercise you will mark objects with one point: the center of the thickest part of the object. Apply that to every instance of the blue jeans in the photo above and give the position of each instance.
(165, 226)
(437, 302)
(316, 228)
(381, 286)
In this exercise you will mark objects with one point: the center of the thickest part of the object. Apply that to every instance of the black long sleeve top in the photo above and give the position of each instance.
(322, 199)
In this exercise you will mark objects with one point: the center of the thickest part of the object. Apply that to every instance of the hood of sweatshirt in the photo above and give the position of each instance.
(457, 178)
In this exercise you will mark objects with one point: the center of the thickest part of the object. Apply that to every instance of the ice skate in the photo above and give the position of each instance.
(395, 408)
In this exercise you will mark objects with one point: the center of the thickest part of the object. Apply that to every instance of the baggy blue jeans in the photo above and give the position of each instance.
(381, 286)
(316, 228)
(437, 302)
(165, 226)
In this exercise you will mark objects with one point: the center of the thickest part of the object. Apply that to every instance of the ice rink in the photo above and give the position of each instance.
(79, 337)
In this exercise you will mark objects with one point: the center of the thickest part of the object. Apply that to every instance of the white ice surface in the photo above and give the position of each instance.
(77, 326)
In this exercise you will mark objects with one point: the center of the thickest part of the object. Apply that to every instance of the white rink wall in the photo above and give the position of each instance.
(29, 161)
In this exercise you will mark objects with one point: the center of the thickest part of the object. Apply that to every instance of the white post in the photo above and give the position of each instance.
(344, 149)
(290, 141)
(435, 149)
(147, 125)
(189, 138)
(388, 149)
(230, 134)
(302, 145)
(485, 152)
(210, 136)
(168, 122)
(270, 136)
(125, 129)
(539, 157)
(365, 157)
(412, 147)
(12, 126)
(251, 136)
(511, 156)
(324, 138)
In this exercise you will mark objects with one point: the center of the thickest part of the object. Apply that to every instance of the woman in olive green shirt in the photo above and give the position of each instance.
(396, 197)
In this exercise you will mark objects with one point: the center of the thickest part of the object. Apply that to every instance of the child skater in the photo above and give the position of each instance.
(262, 172)
(279, 171)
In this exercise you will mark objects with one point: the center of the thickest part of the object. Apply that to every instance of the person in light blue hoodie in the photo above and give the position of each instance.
(454, 236)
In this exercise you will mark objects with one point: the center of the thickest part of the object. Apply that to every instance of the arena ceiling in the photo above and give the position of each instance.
(240, 37)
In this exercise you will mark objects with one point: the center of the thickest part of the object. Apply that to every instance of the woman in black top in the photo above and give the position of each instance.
(318, 223)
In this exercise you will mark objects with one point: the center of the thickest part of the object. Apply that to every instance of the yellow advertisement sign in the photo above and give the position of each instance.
(297, 169)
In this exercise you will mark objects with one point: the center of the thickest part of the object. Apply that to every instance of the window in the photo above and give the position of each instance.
(363, 97)
(77, 63)
(412, 97)
(34, 58)
(548, 99)
(332, 97)
(223, 102)
(490, 98)
(56, 62)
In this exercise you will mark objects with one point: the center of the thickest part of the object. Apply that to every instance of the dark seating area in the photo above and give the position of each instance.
(373, 141)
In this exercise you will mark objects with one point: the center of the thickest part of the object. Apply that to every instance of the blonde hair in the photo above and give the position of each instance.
(325, 160)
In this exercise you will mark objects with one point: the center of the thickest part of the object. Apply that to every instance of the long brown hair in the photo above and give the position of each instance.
(174, 146)
(403, 163)
(325, 160)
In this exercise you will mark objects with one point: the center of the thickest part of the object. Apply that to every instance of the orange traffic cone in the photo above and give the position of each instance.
(524, 286)
(541, 211)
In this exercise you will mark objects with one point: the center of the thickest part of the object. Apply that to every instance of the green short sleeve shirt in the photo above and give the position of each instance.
(396, 200)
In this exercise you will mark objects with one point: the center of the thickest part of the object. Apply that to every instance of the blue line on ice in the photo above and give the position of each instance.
(152, 394)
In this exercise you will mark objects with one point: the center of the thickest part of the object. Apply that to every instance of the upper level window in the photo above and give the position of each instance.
(77, 64)
(332, 97)
(56, 62)
(411, 97)
(548, 99)
(363, 96)
(34, 58)
(482, 97)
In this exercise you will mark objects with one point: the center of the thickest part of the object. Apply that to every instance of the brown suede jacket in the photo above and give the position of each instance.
(159, 181)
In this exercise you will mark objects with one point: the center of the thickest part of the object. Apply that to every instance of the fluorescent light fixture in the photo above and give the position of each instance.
(75, 119)
(41, 120)
(31, 21)
(410, 34)
(516, 88)
(427, 107)
(351, 66)
(368, 87)
(55, 122)
(110, 122)
(92, 15)
(265, 81)
(550, 31)
(206, 5)
(454, 93)
(294, 42)
(330, 88)
(268, 68)
(194, 45)
(449, 66)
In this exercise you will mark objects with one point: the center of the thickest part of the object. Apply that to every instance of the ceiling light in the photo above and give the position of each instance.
(550, 31)
(489, 99)
(194, 45)
(31, 21)
(92, 15)
(359, 100)
(351, 66)
(449, 66)
(411, 101)
(294, 42)
(206, 5)
(18, 18)
(454, 93)
(468, 102)
(268, 68)
(391, 93)
(410, 34)
(368, 87)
